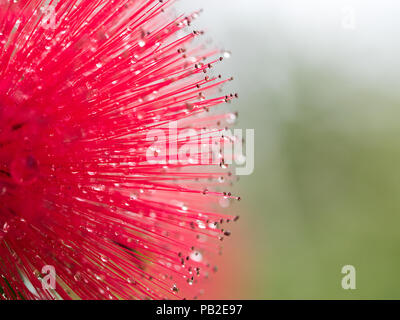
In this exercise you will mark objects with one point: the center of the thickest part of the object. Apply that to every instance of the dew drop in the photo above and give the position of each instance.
(78, 276)
(6, 227)
(99, 187)
(227, 54)
(231, 118)
(196, 256)
(133, 196)
(175, 288)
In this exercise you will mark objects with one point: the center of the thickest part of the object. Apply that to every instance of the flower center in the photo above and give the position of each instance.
(24, 169)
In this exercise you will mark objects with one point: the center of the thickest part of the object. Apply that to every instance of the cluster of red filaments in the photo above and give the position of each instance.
(82, 82)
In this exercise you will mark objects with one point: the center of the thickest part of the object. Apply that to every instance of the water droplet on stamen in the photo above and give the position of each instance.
(227, 54)
(196, 256)
(175, 288)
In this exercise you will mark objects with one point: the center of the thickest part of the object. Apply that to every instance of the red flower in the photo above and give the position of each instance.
(83, 84)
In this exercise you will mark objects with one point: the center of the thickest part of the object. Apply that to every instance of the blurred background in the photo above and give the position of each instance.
(319, 82)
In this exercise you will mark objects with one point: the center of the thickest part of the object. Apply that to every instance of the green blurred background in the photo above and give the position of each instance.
(322, 93)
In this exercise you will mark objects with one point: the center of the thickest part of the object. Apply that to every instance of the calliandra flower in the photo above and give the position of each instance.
(82, 83)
